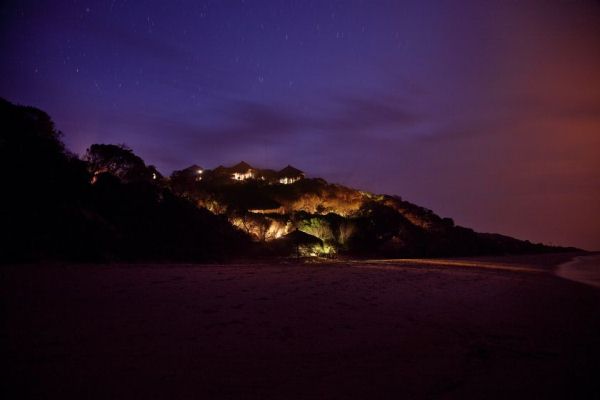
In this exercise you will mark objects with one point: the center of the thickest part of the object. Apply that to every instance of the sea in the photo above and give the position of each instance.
(583, 269)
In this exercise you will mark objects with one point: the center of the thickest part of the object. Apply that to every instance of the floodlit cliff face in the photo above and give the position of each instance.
(344, 220)
(327, 199)
(262, 227)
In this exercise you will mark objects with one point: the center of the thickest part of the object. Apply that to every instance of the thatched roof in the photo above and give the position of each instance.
(290, 171)
(240, 167)
(220, 170)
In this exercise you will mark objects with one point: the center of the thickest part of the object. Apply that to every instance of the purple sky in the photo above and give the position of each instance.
(487, 112)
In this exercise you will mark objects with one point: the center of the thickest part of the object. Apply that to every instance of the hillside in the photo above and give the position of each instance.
(271, 205)
(111, 205)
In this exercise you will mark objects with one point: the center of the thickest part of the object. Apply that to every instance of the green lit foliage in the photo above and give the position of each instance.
(318, 227)
(303, 244)
(333, 229)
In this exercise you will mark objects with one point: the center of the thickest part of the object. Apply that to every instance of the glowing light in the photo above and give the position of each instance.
(287, 180)
(238, 176)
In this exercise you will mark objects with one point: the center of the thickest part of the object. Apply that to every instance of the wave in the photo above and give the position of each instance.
(583, 269)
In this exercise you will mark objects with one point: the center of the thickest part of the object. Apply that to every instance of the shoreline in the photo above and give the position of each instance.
(539, 261)
(584, 269)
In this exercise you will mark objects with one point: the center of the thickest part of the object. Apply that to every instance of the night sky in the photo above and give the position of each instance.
(486, 112)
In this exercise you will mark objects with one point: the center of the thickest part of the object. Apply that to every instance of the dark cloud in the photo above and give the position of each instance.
(248, 122)
(250, 129)
(356, 113)
(348, 115)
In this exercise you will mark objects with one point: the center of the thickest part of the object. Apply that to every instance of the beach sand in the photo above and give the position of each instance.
(490, 328)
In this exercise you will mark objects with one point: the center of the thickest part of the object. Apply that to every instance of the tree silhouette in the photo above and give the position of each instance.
(50, 211)
(120, 161)
(43, 185)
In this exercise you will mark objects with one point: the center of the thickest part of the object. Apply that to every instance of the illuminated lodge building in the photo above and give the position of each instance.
(290, 175)
(244, 171)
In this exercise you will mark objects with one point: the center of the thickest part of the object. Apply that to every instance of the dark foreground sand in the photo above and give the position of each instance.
(489, 328)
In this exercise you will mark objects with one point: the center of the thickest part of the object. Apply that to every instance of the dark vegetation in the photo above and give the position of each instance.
(50, 210)
(110, 205)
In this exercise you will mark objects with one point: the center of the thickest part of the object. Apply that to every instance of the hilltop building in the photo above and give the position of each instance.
(290, 175)
(243, 171)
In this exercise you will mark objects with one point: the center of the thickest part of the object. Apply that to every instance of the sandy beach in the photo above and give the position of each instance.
(449, 329)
